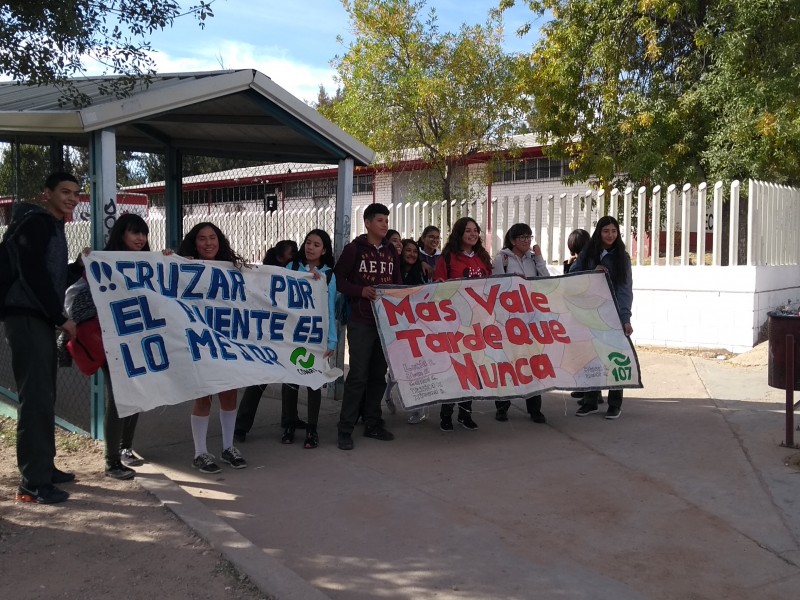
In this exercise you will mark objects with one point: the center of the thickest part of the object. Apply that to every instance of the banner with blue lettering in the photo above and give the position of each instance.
(503, 337)
(176, 329)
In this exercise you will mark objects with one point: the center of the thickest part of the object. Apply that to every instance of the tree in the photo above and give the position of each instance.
(49, 41)
(152, 167)
(660, 91)
(406, 85)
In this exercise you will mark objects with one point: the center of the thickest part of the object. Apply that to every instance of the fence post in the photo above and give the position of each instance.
(733, 234)
(537, 220)
(562, 228)
(670, 225)
(716, 226)
(641, 225)
(613, 208)
(601, 201)
(626, 216)
(550, 215)
(576, 210)
(686, 225)
(587, 210)
(753, 190)
(701, 224)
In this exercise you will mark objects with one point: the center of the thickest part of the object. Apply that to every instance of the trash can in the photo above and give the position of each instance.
(782, 323)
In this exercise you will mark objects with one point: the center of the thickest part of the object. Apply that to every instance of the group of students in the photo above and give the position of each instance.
(33, 311)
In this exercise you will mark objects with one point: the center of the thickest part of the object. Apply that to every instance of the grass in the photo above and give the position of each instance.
(66, 442)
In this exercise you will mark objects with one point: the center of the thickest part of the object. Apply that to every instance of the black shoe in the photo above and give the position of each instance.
(613, 412)
(300, 424)
(586, 409)
(345, 441)
(46, 494)
(501, 415)
(465, 420)
(288, 436)
(538, 417)
(577, 394)
(378, 432)
(115, 469)
(446, 424)
(60, 476)
(312, 439)
(239, 436)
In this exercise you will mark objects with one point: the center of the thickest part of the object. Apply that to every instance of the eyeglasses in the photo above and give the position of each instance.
(524, 238)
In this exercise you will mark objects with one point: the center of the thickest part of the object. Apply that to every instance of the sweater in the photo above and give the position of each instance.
(529, 265)
(457, 265)
(333, 337)
(363, 265)
(622, 292)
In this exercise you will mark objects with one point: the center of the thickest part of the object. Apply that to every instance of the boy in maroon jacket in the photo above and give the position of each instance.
(365, 263)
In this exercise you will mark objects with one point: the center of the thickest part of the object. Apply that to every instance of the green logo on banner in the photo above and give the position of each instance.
(623, 371)
(298, 358)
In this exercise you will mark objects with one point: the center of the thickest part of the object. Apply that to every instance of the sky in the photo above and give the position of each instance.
(293, 41)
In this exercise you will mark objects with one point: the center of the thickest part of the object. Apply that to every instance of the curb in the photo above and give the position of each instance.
(268, 574)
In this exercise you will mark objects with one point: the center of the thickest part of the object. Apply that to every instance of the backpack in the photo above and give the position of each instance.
(86, 348)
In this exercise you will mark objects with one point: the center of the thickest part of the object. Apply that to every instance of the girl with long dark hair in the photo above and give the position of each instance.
(463, 257)
(205, 241)
(606, 252)
(315, 255)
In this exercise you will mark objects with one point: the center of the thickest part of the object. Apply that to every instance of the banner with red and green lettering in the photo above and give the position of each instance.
(504, 337)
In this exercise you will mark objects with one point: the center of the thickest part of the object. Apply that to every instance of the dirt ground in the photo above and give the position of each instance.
(111, 538)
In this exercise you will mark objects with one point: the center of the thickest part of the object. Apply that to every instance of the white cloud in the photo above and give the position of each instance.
(299, 79)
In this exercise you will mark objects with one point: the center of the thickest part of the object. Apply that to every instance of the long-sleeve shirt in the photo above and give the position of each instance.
(622, 291)
(529, 265)
(333, 337)
(457, 265)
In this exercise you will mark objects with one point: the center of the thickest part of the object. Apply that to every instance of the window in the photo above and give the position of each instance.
(530, 169)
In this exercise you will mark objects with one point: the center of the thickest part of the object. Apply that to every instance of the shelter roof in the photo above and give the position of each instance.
(237, 114)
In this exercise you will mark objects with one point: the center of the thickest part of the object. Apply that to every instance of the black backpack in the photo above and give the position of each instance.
(9, 268)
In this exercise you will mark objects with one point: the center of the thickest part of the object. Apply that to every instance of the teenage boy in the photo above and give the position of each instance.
(365, 263)
(33, 309)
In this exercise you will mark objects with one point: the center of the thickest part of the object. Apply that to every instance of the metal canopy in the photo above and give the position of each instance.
(241, 114)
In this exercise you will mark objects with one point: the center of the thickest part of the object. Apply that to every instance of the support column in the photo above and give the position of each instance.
(103, 208)
(173, 197)
(341, 236)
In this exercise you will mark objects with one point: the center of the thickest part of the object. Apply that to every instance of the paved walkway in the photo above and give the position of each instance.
(687, 495)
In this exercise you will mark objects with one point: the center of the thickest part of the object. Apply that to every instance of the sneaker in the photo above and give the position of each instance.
(312, 439)
(130, 458)
(417, 416)
(586, 409)
(446, 424)
(577, 394)
(378, 432)
(60, 476)
(465, 420)
(345, 441)
(205, 463)
(288, 436)
(239, 437)
(234, 458)
(613, 412)
(501, 415)
(538, 417)
(47, 494)
(115, 469)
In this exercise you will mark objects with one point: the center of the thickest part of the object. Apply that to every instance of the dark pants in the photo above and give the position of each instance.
(446, 410)
(289, 405)
(533, 404)
(366, 378)
(33, 361)
(248, 407)
(118, 432)
(592, 399)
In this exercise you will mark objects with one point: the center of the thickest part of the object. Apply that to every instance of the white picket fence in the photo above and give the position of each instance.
(773, 220)
(772, 231)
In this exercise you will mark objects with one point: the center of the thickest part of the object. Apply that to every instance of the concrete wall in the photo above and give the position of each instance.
(708, 307)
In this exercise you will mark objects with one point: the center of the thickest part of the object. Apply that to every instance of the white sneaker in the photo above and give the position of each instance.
(417, 416)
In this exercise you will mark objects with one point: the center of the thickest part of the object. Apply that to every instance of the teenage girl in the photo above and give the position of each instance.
(463, 257)
(394, 238)
(315, 255)
(413, 274)
(518, 257)
(606, 252)
(129, 233)
(205, 241)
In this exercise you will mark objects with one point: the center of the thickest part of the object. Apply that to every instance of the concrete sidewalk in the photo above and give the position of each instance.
(687, 495)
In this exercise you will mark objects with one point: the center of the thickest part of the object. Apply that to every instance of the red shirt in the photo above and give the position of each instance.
(457, 265)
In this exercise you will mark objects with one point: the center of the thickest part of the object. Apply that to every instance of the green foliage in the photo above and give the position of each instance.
(668, 90)
(407, 85)
(152, 167)
(27, 182)
(48, 41)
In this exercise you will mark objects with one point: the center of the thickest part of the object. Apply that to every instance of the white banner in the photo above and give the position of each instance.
(176, 329)
(504, 337)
